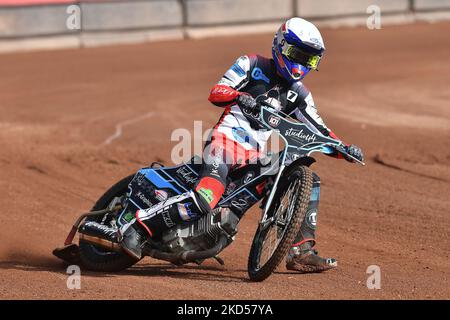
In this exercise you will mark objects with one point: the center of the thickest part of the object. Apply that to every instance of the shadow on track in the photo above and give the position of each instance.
(33, 262)
(192, 272)
(28, 261)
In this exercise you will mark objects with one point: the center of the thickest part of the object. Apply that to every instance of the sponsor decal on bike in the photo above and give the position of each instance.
(240, 204)
(240, 134)
(311, 219)
(186, 175)
(101, 227)
(274, 121)
(141, 196)
(161, 195)
(300, 135)
(257, 74)
(207, 194)
(166, 217)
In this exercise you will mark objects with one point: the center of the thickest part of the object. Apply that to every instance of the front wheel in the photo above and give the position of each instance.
(272, 242)
(94, 257)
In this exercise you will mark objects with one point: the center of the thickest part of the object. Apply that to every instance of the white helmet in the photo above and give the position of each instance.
(297, 48)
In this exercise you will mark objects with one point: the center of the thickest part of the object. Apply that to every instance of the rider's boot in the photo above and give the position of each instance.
(302, 257)
(160, 217)
(305, 259)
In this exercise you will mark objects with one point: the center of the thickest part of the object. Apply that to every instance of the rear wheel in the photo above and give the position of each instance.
(272, 242)
(94, 257)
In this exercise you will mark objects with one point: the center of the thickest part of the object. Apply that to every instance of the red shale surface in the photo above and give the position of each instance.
(386, 90)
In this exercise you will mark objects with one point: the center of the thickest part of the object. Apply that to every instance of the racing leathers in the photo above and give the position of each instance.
(236, 140)
(237, 137)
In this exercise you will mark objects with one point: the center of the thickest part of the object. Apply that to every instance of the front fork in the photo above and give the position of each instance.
(265, 220)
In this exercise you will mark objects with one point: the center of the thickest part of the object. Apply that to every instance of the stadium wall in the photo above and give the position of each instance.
(49, 24)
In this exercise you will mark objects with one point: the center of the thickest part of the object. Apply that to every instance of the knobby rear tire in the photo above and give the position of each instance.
(95, 258)
(305, 176)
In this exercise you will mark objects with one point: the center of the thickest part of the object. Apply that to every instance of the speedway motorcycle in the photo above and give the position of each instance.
(282, 184)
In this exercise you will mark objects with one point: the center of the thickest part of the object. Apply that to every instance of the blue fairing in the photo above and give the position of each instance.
(158, 181)
(153, 185)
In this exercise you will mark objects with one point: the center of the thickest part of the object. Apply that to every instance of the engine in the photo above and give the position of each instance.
(202, 234)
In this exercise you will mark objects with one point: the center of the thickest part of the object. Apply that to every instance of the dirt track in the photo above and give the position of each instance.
(386, 90)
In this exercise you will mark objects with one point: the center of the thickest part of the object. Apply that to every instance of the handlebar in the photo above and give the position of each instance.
(264, 103)
(339, 147)
(344, 152)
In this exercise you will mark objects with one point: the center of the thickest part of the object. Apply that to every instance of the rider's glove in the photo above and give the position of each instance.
(247, 103)
(355, 152)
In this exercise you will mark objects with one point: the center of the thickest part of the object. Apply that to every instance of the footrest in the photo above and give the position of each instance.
(69, 253)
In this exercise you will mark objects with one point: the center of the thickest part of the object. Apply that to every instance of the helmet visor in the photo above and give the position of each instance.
(302, 57)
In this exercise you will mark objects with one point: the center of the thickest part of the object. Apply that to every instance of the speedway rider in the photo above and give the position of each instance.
(236, 138)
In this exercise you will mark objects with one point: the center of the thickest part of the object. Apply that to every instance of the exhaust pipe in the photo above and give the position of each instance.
(111, 246)
(189, 256)
(175, 258)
